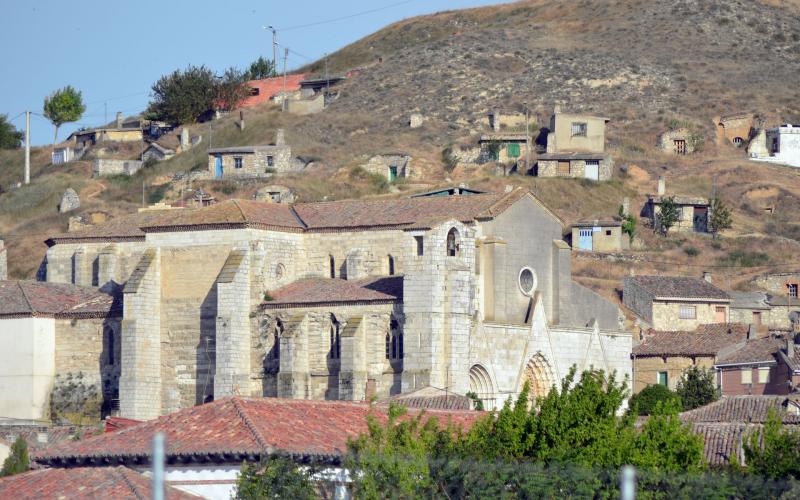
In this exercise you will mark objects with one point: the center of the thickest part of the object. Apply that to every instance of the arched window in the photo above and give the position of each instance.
(333, 266)
(275, 352)
(453, 242)
(388, 346)
(391, 266)
(738, 141)
(394, 342)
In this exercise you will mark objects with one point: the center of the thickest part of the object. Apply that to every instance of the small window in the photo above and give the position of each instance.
(527, 281)
(747, 376)
(578, 129)
(687, 312)
(270, 161)
(332, 264)
(563, 168)
(237, 162)
(254, 91)
(763, 375)
(608, 232)
(738, 141)
(792, 289)
(391, 266)
(420, 246)
(663, 378)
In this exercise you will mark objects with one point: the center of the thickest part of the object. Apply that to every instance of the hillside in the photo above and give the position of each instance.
(643, 64)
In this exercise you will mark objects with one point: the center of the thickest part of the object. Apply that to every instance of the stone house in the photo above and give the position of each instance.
(157, 152)
(305, 105)
(661, 356)
(575, 148)
(121, 132)
(782, 144)
(764, 310)
(251, 161)
(500, 120)
(390, 165)
(680, 141)
(107, 166)
(275, 194)
(693, 212)
(735, 129)
(264, 90)
(205, 458)
(344, 300)
(780, 284)
(675, 302)
(65, 154)
(49, 330)
(599, 235)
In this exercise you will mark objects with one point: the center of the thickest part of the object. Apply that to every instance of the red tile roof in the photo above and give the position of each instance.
(743, 409)
(57, 300)
(707, 340)
(83, 483)
(403, 213)
(678, 287)
(762, 350)
(311, 291)
(431, 398)
(232, 428)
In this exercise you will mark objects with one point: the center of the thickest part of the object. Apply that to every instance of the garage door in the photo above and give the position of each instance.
(592, 170)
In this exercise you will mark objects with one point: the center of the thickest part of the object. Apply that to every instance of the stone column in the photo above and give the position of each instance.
(353, 362)
(293, 376)
(81, 268)
(107, 266)
(140, 378)
(232, 376)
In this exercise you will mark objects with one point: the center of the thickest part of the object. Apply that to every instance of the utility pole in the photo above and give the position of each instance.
(285, 56)
(105, 112)
(274, 47)
(327, 79)
(27, 147)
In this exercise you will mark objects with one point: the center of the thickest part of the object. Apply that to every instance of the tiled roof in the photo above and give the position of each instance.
(230, 213)
(679, 200)
(742, 409)
(611, 222)
(721, 441)
(749, 300)
(232, 428)
(792, 359)
(40, 437)
(431, 398)
(323, 216)
(678, 287)
(707, 340)
(59, 300)
(327, 290)
(83, 483)
(753, 351)
(782, 300)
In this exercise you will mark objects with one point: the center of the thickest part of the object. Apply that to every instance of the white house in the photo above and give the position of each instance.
(782, 145)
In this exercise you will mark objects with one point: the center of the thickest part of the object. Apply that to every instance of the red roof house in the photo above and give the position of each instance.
(262, 91)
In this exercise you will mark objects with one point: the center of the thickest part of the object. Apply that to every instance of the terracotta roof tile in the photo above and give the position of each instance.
(707, 340)
(36, 298)
(244, 213)
(721, 441)
(83, 483)
(250, 426)
(754, 351)
(123, 228)
(430, 398)
(678, 287)
(743, 409)
(326, 290)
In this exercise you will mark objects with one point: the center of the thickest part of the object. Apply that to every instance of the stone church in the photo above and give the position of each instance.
(343, 300)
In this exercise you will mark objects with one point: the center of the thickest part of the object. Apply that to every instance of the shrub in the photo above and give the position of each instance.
(156, 194)
(377, 181)
(276, 477)
(697, 388)
(448, 159)
(17, 460)
(741, 258)
(691, 251)
(645, 401)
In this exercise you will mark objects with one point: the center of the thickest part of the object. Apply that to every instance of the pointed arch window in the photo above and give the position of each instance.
(336, 340)
(332, 263)
(394, 341)
(453, 243)
(275, 352)
(391, 266)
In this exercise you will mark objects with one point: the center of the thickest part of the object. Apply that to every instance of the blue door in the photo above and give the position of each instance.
(585, 239)
(219, 166)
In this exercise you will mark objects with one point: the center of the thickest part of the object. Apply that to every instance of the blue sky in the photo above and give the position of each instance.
(114, 50)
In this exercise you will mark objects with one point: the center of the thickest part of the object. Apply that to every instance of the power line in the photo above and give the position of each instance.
(350, 16)
(100, 101)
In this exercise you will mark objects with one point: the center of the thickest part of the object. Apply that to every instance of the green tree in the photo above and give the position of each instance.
(260, 68)
(17, 461)
(183, 96)
(645, 401)
(10, 137)
(668, 216)
(63, 106)
(276, 477)
(774, 451)
(697, 388)
(628, 223)
(720, 216)
(232, 89)
(665, 443)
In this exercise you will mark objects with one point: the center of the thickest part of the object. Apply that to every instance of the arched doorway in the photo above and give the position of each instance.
(481, 384)
(539, 376)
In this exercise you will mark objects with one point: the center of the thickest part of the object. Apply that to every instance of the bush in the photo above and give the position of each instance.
(448, 159)
(377, 181)
(275, 477)
(697, 388)
(741, 258)
(691, 251)
(646, 400)
(17, 460)
(156, 194)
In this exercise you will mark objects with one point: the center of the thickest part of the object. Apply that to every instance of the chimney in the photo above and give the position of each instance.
(626, 206)
(119, 119)
(662, 186)
(279, 137)
(707, 277)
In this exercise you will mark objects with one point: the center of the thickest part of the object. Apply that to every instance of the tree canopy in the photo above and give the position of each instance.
(260, 68)
(17, 460)
(720, 216)
(10, 137)
(184, 96)
(645, 401)
(63, 106)
(669, 214)
(697, 387)
(232, 89)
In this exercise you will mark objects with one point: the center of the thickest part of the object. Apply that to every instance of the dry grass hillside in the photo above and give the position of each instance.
(641, 63)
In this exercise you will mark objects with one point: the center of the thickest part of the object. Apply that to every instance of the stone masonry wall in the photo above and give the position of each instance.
(3, 262)
(777, 283)
(93, 347)
(666, 315)
(577, 169)
(646, 369)
(638, 300)
(232, 367)
(106, 166)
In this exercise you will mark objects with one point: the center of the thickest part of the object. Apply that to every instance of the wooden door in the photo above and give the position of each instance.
(720, 316)
(563, 168)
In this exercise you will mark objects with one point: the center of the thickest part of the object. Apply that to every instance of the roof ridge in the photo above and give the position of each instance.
(297, 217)
(249, 424)
(25, 296)
(239, 207)
(134, 490)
